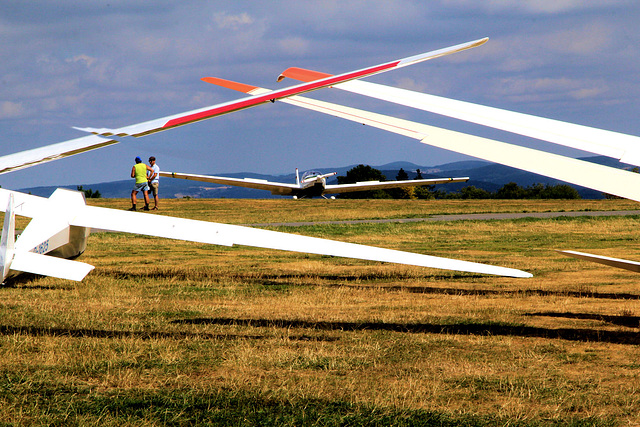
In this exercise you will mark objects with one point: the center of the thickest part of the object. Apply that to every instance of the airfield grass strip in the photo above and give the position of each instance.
(167, 332)
(254, 211)
(44, 403)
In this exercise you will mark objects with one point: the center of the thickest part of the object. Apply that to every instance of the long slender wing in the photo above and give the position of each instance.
(602, 178)
(180, 119)
(36, 156)
(103, 137)
(378, 185)
(260, 184)
(285, 189)
(623, 147)
(24, 204)
(225, 234)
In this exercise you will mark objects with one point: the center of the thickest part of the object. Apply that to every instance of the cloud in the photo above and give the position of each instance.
(412, 84)
(535, 6)
(83, 59)
(583, 40)
(11, 110)
(548, 89)
(232, 22)
(294, 45)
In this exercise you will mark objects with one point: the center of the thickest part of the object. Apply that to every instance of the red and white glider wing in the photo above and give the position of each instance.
(180, 119)
(103, 137)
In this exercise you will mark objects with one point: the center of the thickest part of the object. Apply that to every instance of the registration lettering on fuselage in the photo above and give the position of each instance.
(42, 248)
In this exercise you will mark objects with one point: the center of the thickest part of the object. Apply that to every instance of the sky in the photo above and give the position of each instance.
(114, 63)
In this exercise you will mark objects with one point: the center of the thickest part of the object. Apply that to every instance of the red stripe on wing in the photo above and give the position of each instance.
(246, 103)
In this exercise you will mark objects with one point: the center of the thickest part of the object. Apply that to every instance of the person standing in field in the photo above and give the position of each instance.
(154, 180)
(139, 172)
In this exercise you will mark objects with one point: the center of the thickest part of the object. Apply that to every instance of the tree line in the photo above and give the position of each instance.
(508, 191)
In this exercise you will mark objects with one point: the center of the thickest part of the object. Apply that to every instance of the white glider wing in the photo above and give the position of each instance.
(280, 188)
(602, 178)
(28, 158)
(225, 234)
(382, 185)
(286, 189)
(623, 147)
(158, 125)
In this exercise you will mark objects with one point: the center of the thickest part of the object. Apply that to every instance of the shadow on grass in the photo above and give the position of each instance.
(373, 276)
(628, 321)
(480, 292)
(30, 281)
(145, 335)
(484, 329)
(200, 273)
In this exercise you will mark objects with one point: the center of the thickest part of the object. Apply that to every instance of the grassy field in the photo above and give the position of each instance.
(172, 333)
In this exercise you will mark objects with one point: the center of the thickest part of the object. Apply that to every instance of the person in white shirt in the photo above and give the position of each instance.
(154, 182)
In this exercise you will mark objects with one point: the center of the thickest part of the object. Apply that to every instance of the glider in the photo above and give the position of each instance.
(312, 183)
(62, 223)
(103, 137)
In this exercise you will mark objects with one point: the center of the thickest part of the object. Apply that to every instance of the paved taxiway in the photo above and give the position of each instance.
(462, 217)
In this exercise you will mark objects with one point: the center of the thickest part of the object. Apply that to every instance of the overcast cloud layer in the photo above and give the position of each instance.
(111, 64)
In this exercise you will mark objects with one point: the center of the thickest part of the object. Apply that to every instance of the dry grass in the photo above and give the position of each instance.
(241, 211)
(179, 323)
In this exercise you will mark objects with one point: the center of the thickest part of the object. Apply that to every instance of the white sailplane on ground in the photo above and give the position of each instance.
(61, 224)
(311, 184)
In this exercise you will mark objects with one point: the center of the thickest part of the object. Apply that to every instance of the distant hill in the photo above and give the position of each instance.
(485, 175)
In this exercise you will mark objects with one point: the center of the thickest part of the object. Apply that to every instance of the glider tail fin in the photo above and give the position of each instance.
(8, 239)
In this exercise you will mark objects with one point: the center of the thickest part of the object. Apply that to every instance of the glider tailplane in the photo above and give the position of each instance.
(30, 262)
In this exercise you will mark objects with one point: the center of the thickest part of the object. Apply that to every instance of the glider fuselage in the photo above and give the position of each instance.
(312, 184)
(71, 244)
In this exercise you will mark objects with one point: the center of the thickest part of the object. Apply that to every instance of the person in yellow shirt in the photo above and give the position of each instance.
(139, 172)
